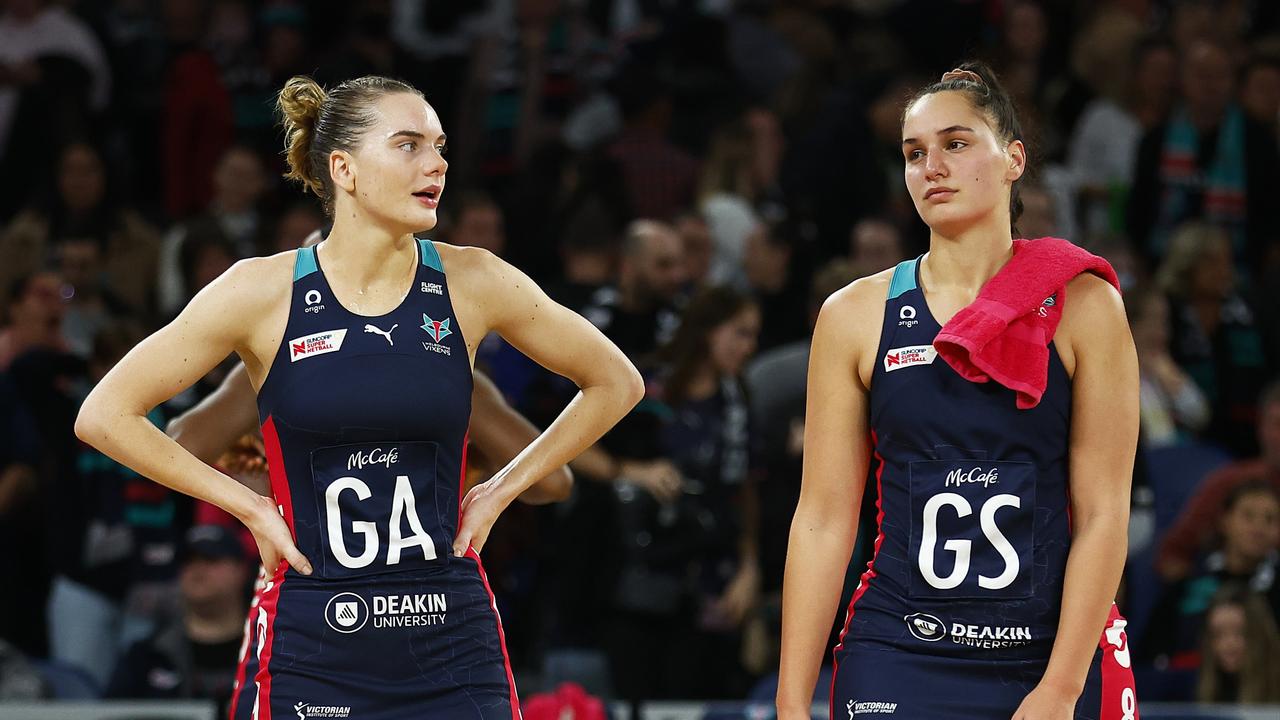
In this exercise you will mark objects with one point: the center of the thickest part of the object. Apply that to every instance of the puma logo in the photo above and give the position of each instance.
(387, 334)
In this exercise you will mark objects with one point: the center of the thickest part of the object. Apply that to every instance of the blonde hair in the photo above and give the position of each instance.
(1188, 246)
(317, 122)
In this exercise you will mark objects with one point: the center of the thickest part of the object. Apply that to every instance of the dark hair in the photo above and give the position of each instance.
(317, 122)
(1258, 680)
(690, 347)
(1254, 486)
(989, 96)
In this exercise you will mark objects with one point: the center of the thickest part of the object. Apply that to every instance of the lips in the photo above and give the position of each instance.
(941, 193)
(430, 195)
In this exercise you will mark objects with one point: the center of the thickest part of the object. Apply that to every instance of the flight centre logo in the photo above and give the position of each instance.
(349, 613)
(438, 330)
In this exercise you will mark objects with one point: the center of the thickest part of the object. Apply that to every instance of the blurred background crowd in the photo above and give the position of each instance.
(693, 177)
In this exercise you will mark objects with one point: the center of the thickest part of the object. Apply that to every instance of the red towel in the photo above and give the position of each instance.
(1004, 334)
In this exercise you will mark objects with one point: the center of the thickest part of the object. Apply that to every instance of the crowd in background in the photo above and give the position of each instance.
(693, 177)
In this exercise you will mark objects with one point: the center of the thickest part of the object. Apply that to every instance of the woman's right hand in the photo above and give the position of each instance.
(275, 542)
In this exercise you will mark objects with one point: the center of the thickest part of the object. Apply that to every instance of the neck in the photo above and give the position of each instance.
(1238, 563)
(967, 260)
(703, 384)
(364, 250)
(216, 623)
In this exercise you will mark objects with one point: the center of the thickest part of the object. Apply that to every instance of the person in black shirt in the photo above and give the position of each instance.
(194, 657)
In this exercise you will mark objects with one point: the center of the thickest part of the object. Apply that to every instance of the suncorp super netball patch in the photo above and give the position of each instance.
(903, 357)
(316, 344)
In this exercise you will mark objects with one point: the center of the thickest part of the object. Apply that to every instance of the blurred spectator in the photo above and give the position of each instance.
(1240, 659)
(54, 80)
(775, 383)
(1103, 150)
(641, 312)
(1248, 553)
(21, 499)
(239, 181)
(1208, 161)
(1174, 409)
(1215, 335)
(476, 221)
(195, 655)
(739, 185)
(84, 206)
(777, 285)
(1191, 533)
(197, 125)
(1260, 92)
(294, 225)
(36, 307)
(660, 178)
(1039, 213)
(874, 245)
(689, 568)
(115, 548)
(699, 249)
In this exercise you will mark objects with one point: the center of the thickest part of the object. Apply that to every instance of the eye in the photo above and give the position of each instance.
(409, 144)
(957, 144)
(442, 149)
(915, 155)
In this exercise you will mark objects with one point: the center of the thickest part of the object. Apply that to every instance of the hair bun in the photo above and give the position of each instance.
(299, 104)
(961, 74)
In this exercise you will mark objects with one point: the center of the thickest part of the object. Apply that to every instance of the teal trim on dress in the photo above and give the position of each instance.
(904, 278)
(305, 263)
(430, 256)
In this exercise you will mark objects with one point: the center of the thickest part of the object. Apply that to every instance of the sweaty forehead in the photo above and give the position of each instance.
(937, 111)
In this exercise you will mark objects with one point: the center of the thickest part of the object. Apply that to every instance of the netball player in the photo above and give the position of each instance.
(1001, 531)
(377, 606)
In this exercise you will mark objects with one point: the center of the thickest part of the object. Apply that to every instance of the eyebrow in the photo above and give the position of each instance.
(413, 134)
(944, 131)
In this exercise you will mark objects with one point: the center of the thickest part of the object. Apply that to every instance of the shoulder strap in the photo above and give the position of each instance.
(430, 256)
(904, 278)
(304, 263)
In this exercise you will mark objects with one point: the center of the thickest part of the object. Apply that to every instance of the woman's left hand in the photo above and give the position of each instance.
(479, 510)
(1047, 702)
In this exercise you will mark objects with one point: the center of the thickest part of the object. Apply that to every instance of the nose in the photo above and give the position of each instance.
(935, 165)
(437, 165)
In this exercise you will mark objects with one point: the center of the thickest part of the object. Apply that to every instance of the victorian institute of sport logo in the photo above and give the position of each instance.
(346, 612)
(438, 330)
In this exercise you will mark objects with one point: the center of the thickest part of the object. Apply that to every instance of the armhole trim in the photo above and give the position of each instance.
(904, 278)
(304, 263)
(430, 256)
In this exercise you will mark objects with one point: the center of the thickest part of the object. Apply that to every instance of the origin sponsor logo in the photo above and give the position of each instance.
(926, 627)
(988, 637)
(874, 707)
(307, 711)
(905, 357)
(318, 344)
(959, 477)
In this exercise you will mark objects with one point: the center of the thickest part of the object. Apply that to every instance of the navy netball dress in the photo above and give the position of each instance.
(364, 421)
(956, 614)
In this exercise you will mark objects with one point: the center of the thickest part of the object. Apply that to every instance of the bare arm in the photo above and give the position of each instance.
(1104, 438)
(503, 299)
(113, 416)
(218, 422)
(834, 474)
(502, 433)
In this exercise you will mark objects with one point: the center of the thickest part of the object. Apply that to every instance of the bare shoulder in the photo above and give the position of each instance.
(859, 305)
(461, 260)
(256, 284)
(851, 319)
(1092, 316)
(250, 304)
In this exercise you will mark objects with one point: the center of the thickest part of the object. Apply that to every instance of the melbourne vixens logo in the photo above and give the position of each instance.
(438, 330)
